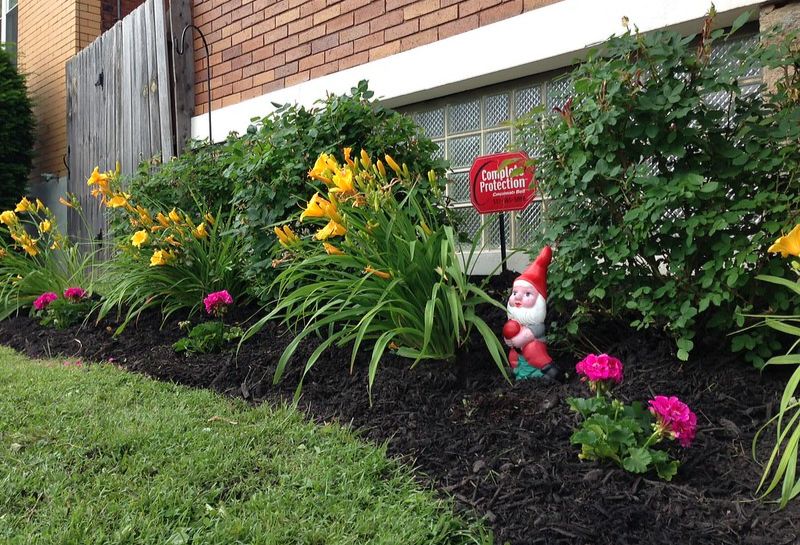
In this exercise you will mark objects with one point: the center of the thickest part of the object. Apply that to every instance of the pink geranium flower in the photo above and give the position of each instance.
(675, 418)
(216, 303)
(44, 300)
(600, 368)
(74, 294)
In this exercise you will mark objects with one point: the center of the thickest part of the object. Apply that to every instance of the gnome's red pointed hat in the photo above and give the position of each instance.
(536, 273)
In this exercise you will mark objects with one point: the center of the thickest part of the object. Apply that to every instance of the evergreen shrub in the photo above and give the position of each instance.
(16, 133)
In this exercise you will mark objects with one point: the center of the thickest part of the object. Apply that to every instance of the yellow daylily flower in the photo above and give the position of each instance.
(323, 168)
(209, 218)
(24, 206)
(172, 240)
(380, 274)
(788, 245)
(392, 163)
(381, 168)
(343, 182)
(161, 257)
(65, 202)
(330, 249)
(318, 207)
(347, 158)
(9, 218)
(162, 219)
(2, 253)
(40, 206)
(140, 238)
(200, 231)
(174, 216)
(97, 177)
(45, 226)
(144, 215)
(31, 249)
(365, 160)
(425, 228)
(332, 229)
(286, 237)
(118, 200)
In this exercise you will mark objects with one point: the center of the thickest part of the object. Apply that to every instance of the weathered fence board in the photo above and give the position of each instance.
(121, 103)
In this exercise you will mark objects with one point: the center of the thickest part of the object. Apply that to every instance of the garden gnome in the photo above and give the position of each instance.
(524, 331)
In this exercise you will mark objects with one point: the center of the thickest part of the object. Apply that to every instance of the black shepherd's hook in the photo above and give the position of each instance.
(180, 50)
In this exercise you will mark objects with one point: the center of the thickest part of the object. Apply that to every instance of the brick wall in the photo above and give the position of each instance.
(50, 33)
(108, 10)
(257, 46)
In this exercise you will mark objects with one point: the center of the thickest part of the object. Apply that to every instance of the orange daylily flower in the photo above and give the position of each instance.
(788, 245)
(380, 274)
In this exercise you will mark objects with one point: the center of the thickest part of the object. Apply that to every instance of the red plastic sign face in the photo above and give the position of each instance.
(501, 182)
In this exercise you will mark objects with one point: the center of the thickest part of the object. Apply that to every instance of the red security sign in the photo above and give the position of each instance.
(501, 182)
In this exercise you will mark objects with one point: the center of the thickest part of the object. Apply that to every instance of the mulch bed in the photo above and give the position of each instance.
(502, 451)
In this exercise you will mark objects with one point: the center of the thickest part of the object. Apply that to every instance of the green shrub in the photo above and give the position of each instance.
(16, 133)
(661, 198)
(263, 173)
(380, 270)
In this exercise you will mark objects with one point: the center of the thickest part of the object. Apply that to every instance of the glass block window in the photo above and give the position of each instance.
(479, 123)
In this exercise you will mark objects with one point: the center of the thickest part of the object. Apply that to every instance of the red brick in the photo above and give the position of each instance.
(354, 60)
(386, 20)
(251, 93)
(298, 52)
(338, 52)
(287, 17)
(244, 11)
(385, 50)
(420, 8)
(343, 21)
(232, 52)
(370, 12)
(252, 69)
(420, 38)
(326, 42)
(473, 6)
(264, 77)
(368, 42)
(353, 33)
(242, 61)
(311, 34)
(264, 52)
(286, 70)
(324, 70)
(503, 11)
(229, 5)
(275, 61)
(231, 29)
(312, 61)
(272, 86)
(294, 79)
(219, 69)
(264, 26)
(242, 37)
(438, 17)
(327, 13)
(393, 4)
(535, 4)
(286, 43)
(275, 35)
(458, 26)
(399, 31)
(252, 20)
(242, 85)
(301, 24)
(312, 7)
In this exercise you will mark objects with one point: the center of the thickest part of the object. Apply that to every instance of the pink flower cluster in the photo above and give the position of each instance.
(675, 417)
(44, 300)
(597, 368)
(74, 294)
(217, 302)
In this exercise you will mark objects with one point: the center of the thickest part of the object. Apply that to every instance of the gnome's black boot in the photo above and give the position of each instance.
(552, 373)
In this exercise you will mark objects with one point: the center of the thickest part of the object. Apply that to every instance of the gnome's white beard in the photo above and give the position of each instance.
(529, 316)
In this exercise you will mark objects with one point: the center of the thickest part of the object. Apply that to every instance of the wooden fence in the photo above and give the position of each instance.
(129, 98)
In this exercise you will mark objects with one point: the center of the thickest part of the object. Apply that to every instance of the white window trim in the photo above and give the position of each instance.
(502, 51)
(3, 10)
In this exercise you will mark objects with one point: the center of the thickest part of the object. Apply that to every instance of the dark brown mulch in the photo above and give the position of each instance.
(502, 451)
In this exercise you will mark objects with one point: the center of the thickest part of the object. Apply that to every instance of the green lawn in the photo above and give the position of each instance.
(101, 456)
